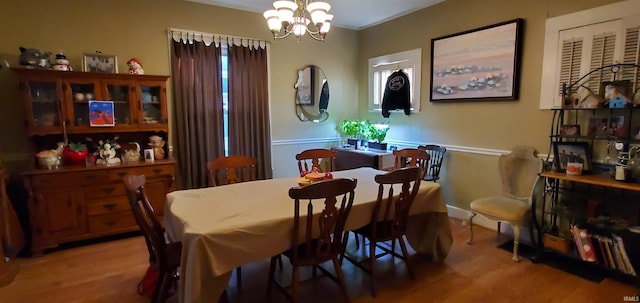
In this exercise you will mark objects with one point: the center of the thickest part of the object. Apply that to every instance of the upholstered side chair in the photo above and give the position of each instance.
(519, 173)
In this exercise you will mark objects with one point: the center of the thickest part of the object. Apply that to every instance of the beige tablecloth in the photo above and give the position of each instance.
(224, 227)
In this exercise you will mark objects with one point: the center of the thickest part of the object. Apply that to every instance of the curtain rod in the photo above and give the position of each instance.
(213, 35)
(390, 63)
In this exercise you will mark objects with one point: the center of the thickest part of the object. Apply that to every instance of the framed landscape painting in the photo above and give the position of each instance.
(478, 65)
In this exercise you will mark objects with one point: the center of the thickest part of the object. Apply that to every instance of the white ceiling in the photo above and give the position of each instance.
(352, 14)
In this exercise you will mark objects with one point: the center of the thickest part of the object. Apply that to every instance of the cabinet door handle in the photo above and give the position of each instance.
(157, 171)
(122, 174)
(110, 223)
(108, 190)
(109, 206)
(91, 176)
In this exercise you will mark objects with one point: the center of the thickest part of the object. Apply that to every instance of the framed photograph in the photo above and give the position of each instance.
(101, 113)
(598, 127)
(616, 127)
(304, 86)
(148, 155)
(570, 130)
(565, 152)
(99, 63)
(478, 65)
(636, 133)
(617, 94)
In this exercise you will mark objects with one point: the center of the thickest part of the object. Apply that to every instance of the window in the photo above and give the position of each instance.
(225, 97)
(578, 43)
(381, 67)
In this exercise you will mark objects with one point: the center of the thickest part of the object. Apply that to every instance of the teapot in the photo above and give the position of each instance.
(157, 143)
(132, 155)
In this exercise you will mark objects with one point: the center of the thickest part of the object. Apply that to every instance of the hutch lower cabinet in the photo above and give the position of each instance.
(78, 203)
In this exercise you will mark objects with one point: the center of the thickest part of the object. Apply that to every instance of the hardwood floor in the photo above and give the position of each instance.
(110, 271)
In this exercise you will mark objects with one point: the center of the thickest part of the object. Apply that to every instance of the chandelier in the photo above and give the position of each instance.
(291, 17)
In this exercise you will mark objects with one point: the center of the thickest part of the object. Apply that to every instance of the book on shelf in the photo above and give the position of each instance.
(583, 244)
(624, 256)
(606, 248)
(600, 250)
(612, 264)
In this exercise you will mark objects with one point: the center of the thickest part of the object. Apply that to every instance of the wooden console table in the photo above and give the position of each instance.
(349, 158)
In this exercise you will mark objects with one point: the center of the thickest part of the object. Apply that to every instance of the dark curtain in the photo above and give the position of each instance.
(197, 95)
(249, 132)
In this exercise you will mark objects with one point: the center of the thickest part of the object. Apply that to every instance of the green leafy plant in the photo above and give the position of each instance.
(77, 147)
(352, 128)
(377, 132)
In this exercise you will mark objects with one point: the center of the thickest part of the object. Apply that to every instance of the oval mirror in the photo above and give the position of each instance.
(312, 95)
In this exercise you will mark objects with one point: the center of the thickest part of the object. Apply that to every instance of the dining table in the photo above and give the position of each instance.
(224, 227)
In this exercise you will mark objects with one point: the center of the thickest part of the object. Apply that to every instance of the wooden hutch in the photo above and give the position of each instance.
(71, 203)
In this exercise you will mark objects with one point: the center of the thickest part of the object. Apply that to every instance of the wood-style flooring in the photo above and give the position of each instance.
(110, 271)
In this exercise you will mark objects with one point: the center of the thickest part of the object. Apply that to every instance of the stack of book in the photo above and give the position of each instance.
(606, 250)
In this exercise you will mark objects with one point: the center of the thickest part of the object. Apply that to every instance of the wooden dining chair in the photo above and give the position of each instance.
(412, 157)
(322, 238)
(163, 256)
(231, 169)
(323, 159)
(436, 155)
(389, 218)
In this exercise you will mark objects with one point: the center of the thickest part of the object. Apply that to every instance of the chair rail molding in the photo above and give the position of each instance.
(304, 141)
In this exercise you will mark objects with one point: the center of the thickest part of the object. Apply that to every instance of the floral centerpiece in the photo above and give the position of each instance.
(107, 151)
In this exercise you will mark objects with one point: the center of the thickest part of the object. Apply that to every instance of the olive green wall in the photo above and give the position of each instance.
(139, 29)
(476, 131)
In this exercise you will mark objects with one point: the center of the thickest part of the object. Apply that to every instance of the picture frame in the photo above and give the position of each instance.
(148, 155)
(636, 133)
(101, 113)
(617, 94)
(304, 90)
(565, 152)
(598, 126)
(100, 63)
(570, 130)
(616, 127)
(482, 64)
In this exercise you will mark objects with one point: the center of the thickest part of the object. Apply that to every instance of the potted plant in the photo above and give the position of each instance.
(74, 154)
(353, 130)
(377, 133)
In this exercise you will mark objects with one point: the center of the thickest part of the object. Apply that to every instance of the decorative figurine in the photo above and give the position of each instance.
(135, 66)
(34, 58)
(157, 143)
(62, 63)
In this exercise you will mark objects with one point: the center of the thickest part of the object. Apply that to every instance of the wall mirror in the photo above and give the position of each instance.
(312, 94)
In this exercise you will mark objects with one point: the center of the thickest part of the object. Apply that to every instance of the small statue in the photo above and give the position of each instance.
(3, 64)
(135, 66)
(157, 143)
(61, 63)
(34, 58)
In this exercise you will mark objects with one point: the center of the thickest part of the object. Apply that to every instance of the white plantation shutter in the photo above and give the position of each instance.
(570, 59)
(602, 54)
(380, 68)
(632, 56)
(578, 43)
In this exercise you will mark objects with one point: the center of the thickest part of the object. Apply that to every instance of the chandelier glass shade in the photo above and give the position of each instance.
(299, 17)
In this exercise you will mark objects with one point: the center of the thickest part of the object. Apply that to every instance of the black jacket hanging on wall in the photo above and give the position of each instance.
(396, 94)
